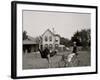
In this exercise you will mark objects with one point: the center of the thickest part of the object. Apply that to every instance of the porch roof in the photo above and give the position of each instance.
(29, 42)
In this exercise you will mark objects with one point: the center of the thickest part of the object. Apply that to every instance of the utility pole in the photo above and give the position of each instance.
(54, 38)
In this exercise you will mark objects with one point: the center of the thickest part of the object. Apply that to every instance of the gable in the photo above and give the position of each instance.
(47, 33)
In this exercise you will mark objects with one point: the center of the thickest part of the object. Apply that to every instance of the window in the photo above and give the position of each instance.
(50, 38)
(56, 46)
(46, 39)
(56, 40)
(50, 46)
(46, 45)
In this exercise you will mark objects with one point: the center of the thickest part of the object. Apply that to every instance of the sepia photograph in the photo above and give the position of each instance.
(53, 39)
(56, 39)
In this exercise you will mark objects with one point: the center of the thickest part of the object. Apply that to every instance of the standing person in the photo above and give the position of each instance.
(73, 56)
(75, 48)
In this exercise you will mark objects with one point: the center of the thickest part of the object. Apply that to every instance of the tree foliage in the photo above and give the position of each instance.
(25, 35)
(64, 41)
(82, 37)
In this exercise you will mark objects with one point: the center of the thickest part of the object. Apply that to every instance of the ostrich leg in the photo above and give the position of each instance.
(49, 60)
(46, 55)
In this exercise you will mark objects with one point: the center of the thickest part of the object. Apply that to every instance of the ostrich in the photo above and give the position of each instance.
(47, 54)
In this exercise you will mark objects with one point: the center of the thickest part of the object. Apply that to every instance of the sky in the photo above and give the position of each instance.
(64, 24)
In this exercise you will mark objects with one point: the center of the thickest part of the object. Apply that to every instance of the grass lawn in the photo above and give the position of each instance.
(85, 58)
(34, 61)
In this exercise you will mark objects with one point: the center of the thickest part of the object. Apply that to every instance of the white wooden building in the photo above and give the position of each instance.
(50, 40)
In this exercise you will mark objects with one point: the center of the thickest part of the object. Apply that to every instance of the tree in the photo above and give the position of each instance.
(76, 37)
(25, 35)
(64, 41)
(39, 39)
(82, 37)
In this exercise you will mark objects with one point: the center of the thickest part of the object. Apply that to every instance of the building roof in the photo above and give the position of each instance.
(57, 35)
(51, 33)
(30, 40)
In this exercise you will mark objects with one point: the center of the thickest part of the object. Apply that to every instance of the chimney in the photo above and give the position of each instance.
(53, 30)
